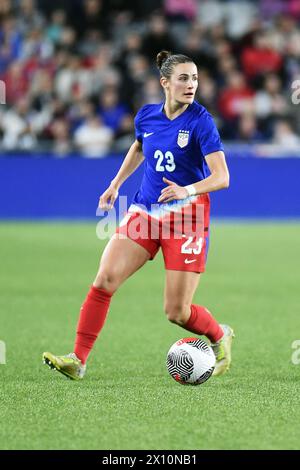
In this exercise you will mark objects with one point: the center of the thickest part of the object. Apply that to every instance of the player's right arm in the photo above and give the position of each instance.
(131, 162)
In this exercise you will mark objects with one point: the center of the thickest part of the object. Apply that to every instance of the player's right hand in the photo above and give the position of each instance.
(107, 199)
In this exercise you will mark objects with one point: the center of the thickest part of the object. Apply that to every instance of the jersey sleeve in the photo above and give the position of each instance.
(137, 127)
(208, 137)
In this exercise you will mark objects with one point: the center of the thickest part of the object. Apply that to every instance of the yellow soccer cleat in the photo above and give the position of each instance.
(68, 365)
(222, 350)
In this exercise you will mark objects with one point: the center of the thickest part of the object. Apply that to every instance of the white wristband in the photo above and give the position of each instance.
(191, 189)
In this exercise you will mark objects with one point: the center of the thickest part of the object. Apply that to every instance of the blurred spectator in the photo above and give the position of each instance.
(248, 129)
(10, 37)
(293, 8)
(5, 57)
(73, 80)
(55, 29)
(130, 48)
(18, 127)
(157, 38)
(261, 57)
(285, 142)
(226, 62)
(111, 110)
(210, 12)
(15, 81)
(29, 18)
(285, 136)
(104, 72)
(140, 9)
(79, 112)
(68, 40)
(239, 20)
(151, 91)
(236, 97)
(177, 10)
(36, 45)
(92, 17)
(194, 47)
(292, 57)
(270, 101)
(207, 92)
(125, 134)
(5, 8)
(227, 65)
(93, 138)
(90, 46)
(41, 89)
(139, 70)
(61, 137)
(271, 8)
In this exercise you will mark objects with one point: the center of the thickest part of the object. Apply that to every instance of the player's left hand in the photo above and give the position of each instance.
(172, 192)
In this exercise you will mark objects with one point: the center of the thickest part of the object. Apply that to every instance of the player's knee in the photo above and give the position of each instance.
(176, 312)
(107, 280)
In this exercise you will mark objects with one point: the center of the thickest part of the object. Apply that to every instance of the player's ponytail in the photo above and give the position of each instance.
(166, 61)
(161, 57)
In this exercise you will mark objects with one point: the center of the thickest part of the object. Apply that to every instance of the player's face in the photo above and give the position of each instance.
(183, 83)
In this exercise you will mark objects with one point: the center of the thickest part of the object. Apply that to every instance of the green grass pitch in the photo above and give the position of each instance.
(127, 400)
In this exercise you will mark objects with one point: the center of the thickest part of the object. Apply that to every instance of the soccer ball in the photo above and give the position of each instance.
(190, 361)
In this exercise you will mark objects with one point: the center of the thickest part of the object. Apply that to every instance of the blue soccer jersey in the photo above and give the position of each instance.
(174, 149)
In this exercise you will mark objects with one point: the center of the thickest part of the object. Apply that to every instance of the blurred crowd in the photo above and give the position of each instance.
(77, 71)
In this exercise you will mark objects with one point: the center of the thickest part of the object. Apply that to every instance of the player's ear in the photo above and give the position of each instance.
(164, 82)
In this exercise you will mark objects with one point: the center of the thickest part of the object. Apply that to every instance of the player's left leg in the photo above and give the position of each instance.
(179, 291)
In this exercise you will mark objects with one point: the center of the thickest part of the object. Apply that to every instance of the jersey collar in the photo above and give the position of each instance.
(188, 110)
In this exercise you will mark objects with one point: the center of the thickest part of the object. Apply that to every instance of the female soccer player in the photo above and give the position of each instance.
(179, 141)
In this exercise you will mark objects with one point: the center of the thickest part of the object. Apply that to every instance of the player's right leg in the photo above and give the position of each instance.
(121, 258)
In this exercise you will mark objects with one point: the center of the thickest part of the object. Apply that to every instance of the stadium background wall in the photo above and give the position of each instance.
(51, 188)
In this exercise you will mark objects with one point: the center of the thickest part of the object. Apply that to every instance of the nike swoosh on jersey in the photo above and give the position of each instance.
(147, 134)
(189, 261)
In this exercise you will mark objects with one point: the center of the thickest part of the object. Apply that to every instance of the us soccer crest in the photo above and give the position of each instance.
(183, 138)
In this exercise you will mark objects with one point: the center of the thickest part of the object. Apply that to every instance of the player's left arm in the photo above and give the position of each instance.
(218, 179)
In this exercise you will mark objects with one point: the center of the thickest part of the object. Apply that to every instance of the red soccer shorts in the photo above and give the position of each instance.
(183, 235)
